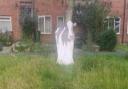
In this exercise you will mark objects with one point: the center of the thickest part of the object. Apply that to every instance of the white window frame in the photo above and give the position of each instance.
(58, 19)
(108, 17)
(7, 18)
(44, 16)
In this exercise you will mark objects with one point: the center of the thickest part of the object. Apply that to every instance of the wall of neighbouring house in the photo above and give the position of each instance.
(126, 23)
(55, 8)
(9, 8)
(117, 9)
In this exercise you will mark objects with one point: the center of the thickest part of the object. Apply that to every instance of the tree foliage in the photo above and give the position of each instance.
(107, 40)
(91, 17)
(29, 26)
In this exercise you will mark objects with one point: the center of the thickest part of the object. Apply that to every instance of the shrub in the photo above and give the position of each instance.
(29, 26)
(107, 40)
(24, 46)
(1, 46)
(6, 39)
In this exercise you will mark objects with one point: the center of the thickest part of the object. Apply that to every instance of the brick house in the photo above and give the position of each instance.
(119, 10)
(117, 18)
(51, 13)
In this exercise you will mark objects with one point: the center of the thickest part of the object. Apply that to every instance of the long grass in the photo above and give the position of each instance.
(122, 47)
(88, 72)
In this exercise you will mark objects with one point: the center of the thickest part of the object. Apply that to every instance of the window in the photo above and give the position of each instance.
(5, 24)
(45, 24)
(113, 23)
(25, 10)
(60, 20)
(117, 25)
(108, 4)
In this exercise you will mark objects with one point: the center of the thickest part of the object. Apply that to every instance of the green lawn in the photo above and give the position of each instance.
(122, 47)
(89, 72)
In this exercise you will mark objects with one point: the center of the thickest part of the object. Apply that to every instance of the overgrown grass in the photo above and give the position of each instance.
(122, 47)
(39, 72)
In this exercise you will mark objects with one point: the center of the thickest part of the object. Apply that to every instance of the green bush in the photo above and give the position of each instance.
(29, 26)
(6, 39)
(1, 46)
(107, 40)
(24, 46)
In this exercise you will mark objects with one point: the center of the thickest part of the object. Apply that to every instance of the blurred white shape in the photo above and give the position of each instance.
(65, 43)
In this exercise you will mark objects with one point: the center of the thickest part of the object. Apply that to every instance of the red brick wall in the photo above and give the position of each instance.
(43, 7)
(8, 8)
(117, 9)
(126, 24)
(53, 8)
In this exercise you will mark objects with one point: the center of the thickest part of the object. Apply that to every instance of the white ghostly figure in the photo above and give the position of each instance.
(65, 43)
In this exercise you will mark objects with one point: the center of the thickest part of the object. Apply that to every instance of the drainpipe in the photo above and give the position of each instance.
(33, 16)
(124, 15)
(33, 6)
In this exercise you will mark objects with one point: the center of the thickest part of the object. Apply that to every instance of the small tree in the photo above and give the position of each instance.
(29, 27)
(91, 17)
(28, 21)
